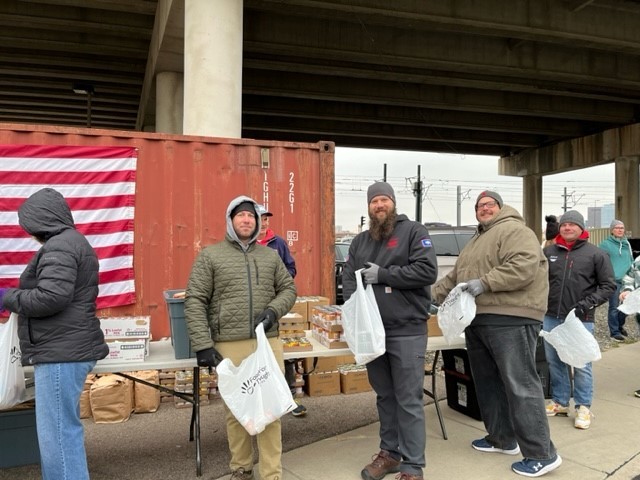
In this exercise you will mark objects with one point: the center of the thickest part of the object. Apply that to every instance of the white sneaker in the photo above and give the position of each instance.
(583, 418)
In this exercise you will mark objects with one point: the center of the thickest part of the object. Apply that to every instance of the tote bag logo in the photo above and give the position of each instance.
(15, 354)
(255, 380)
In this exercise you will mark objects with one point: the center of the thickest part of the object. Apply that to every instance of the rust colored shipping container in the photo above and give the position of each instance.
(183, 187)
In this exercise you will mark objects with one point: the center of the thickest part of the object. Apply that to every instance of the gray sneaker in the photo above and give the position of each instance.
(241, 474)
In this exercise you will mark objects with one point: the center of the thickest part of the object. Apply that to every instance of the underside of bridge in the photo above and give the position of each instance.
(492, 77)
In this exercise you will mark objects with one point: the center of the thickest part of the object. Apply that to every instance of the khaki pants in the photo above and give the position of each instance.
(240, 442)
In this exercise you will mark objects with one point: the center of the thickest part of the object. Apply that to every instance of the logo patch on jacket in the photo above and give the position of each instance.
(393, 242)
(426, 242)
(553, 258)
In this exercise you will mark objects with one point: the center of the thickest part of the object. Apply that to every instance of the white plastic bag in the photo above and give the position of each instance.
(573, 342)
(631, 303)
(362, 323)
(256, 392)
(456, 313)
(12, 386)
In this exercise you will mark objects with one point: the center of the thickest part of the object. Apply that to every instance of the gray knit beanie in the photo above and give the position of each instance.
(615, 223)
(380, 188)
(489, 193)
(573, 216)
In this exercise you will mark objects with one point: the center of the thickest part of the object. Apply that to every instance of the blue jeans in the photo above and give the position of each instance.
(559, 372)
(503, 366)
(60, 432)
(397, 377)
(615, 317)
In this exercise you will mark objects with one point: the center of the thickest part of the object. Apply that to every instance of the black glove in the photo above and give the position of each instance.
(581, 312)
(209, 357)
(267, 318)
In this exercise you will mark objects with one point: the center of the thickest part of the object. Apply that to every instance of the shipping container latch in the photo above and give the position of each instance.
(264, 157)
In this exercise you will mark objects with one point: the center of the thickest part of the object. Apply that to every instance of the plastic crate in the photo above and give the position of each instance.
(179, 334)
(18, 438)
(461, 392)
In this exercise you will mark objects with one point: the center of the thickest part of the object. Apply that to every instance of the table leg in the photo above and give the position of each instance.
(195, 419)
(434, 394)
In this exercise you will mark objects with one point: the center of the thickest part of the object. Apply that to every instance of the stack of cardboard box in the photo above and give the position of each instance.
(326, 324)
(128, 338)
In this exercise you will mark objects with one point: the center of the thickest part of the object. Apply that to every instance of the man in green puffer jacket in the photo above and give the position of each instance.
(235, 285)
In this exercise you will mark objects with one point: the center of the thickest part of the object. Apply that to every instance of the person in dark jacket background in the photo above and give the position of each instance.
(59, 332)
(581, 278)
(401, 265)
(268, 238)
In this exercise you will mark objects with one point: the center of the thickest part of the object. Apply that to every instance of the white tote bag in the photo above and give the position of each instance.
(573, 342)
(12, 386)
(362, 323)
(456, 313)
(256, 392)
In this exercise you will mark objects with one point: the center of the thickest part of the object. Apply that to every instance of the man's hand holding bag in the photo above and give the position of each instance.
(362, 323)
(256, 391)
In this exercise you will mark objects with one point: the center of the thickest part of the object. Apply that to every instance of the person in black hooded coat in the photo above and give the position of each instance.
(58, 329)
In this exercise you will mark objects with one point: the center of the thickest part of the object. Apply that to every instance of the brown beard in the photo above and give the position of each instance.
(382, 230)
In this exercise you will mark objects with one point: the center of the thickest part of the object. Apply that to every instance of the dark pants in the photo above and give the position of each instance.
(615, 317)
(502, 360)
(398, 378)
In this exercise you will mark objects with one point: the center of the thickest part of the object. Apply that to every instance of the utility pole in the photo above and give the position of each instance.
(458, 205)
(384, 173)
(417, 192)
(564, 203)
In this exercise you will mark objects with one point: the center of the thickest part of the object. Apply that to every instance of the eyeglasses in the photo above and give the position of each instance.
(480, 206)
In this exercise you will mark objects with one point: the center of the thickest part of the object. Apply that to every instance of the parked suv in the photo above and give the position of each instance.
(448, 241)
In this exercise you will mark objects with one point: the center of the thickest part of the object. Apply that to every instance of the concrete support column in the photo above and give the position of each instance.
(213, 68)
(169, 102)
(532, 202)
(627, 199)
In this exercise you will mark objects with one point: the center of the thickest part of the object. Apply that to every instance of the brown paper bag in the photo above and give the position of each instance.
(147, 399)
(111, 399)
(85, 402)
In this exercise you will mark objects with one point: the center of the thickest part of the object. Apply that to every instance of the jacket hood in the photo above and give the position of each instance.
(45, 214)
(506, 213)
(231, 233)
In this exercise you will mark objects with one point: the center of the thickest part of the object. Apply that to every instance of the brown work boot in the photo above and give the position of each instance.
(241, 474)
(382, 463)
(409, 476)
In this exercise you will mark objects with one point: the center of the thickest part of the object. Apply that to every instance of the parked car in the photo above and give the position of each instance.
(448, 241)
(342, 252)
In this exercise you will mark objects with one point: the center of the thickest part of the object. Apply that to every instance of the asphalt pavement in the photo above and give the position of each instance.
(610, 449)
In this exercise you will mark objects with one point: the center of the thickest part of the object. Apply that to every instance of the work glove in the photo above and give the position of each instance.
(370, 274)
(474, 287)
(581, 311)
(267, 318)
(209, 357)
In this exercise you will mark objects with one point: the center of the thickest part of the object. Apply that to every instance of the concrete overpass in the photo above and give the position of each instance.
(547, 85)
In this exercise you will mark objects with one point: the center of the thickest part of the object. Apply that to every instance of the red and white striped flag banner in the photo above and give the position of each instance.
(99, 185)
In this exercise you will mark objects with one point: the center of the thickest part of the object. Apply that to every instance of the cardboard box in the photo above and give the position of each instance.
(125, 327)
(315, 301)
(300, 308)
(354, 381)
(433, 329)
(323, 383)
(322, 364)
(126, 351)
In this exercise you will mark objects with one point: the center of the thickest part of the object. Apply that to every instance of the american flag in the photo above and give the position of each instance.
(99, 185)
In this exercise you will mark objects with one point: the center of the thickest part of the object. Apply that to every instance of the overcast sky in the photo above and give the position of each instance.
(356, 169)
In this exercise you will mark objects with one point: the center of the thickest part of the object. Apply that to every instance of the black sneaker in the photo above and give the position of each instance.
(299, 411)
(637, 393)
(618, 338)
(623, 332)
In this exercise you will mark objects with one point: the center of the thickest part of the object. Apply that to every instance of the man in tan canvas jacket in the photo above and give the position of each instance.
(235, 285)
(504, 269)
